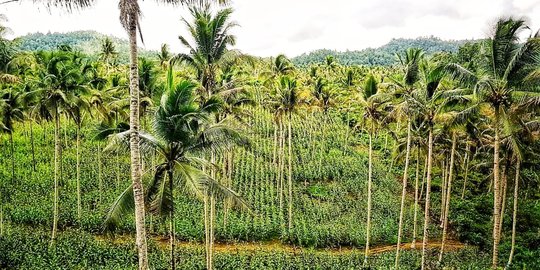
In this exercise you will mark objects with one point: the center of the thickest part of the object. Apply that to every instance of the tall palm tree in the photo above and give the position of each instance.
(182, 129)
(507, 69)
(129, 18)
(285, 104)
(11, 110)
(375, 105)
(59, 82)
(108, 53)
(211, 38)
(405, 85)
(164, 56)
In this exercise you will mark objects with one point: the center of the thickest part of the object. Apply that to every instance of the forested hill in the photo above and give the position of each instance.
(382, 56)
(88, 42)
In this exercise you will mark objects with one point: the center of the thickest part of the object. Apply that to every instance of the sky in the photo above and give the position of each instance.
(291, 27)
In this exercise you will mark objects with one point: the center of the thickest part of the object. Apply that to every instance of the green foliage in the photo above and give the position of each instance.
(382, 56)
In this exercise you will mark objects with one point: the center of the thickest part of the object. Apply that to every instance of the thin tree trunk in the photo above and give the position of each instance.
(212, 213)
(281, 168)
(32, 145)
(416, 198)
(443, 189)
(12, 156)
(207, 230)
(503, 197)
(467, 150)
(514, 215)
(290, 183)
(370, 169)
(428, 191)
(403, 192)
(424, 174)
(448, 195)
(496, 191)
(56, 171)
(100, 181)
(171, 221)
(138, 192)
(78, 169)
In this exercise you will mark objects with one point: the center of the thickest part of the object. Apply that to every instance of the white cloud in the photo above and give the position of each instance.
(291, 27)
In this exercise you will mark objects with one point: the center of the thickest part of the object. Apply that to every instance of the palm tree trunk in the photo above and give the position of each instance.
(12, 156)
(403, 192)
(448, 194)
(138, 192)
(503, 196)
(32, 145)
(467, 150)
(56, 171)
(171, 221)
(370, 169)
(514, 215)
(428, 191)
(212, 213)
(206, 230)
(443, 188)
(424, 174)
(274, 153)
(416, 198)
(78, 169)
(100, 181)
(281, 167)
(496, 191)
(290, 183)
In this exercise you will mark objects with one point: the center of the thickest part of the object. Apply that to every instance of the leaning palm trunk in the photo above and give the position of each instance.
(56, 171)
(138, 192)
(370, 170)
(443, 189)
(448, 194)
(496, 191)
(514, 215)
(428, 190)
(403, 192)
(467, 150)
(416, 198)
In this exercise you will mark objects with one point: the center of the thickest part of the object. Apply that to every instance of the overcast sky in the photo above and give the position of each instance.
(291, 26)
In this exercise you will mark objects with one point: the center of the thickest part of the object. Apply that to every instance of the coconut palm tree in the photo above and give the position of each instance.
(129, 19)
(376, 106)
(60, 80)
(108, 53)
(285, 104)
(405, 85)
(429, 102)
(12, 109)
(164, 56)
(211, 36)
(182, 128)
(507, 69)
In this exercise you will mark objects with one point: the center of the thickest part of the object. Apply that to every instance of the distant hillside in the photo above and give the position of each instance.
(383, 55)
(88, 42)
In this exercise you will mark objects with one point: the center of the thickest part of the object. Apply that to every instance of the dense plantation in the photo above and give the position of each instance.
(214, 159)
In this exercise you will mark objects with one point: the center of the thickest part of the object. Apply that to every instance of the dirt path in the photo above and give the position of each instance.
(277, 246)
